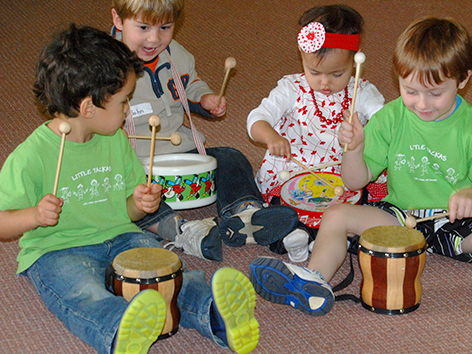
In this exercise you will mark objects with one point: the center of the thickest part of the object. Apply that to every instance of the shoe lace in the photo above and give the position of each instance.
(191, 237)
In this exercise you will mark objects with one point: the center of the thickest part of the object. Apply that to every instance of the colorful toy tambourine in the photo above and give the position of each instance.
(310, 197)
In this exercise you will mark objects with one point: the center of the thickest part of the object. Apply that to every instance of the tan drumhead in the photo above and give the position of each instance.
(392, 239)
(146, 263)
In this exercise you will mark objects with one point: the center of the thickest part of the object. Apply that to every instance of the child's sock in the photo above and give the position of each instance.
(243, 206)
(169, 227)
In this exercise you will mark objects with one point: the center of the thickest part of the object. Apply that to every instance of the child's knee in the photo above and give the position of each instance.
(336, 212)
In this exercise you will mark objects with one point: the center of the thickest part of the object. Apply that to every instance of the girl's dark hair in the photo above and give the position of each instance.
(340, 19)
(82, 62)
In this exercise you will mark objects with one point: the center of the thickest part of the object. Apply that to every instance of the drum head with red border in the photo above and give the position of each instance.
(310, 196)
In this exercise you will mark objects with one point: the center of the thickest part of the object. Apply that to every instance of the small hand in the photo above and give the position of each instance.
(460, 205)
(279, 146)
(210, 103)
(147, 199)
(352, 133)
(48, 210)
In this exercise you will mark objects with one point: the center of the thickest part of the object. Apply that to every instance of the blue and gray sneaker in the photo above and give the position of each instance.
(232, 314)
(200, 238)
(141, 323)
(289, 284)
(253, 224)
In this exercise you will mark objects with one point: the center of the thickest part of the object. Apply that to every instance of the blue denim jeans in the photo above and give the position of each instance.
(234, 180)
(71, 283)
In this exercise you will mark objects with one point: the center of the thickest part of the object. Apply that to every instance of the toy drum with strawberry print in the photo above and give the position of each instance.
(187, 180)
(149, 268)
(310, 197)
(391, 259)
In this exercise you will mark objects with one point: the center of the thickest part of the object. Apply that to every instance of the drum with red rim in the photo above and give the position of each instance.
(310, 197)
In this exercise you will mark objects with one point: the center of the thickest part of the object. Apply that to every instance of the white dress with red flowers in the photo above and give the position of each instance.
(291, 110)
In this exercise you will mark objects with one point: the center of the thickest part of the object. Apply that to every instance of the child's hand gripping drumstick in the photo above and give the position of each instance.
(230, 63)
(154, 121)
(64, 128)
(359, 58)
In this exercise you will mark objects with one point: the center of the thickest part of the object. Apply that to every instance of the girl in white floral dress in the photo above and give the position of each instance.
(301, 116)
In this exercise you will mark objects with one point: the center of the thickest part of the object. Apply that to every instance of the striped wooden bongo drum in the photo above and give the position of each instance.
(149, 268)
(391, 259)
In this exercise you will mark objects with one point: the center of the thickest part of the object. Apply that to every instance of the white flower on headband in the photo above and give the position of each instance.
(311, 37)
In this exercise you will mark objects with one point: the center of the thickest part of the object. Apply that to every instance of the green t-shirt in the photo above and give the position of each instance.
(95, 181)
(426, 162)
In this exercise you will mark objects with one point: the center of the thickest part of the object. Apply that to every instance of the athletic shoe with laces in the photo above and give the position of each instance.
(284, 283)
(200, 238)
(296, 244)
(141, 323)
(234, 301)
(253, 224)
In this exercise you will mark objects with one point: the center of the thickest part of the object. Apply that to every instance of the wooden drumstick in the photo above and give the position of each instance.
(338, 190)
(175, 138)
(230, 63)
(64, 129)
(286, 175)
(411, 221)
(154, 121)
(359, 58)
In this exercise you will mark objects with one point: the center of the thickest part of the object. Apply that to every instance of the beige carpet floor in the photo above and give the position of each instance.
(261, 35)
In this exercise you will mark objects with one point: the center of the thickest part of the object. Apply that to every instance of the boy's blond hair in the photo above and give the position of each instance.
(149, 11)
(434, 50)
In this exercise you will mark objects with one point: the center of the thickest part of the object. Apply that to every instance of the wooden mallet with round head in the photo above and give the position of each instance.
(230, 63)
(154, 121)
(359, 58)
(64, 129)
(411, 221)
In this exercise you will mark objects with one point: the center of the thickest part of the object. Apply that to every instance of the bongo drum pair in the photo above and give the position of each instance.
(391, 259)
(149, 268)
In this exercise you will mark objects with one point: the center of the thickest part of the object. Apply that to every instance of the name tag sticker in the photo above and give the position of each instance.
(141, 109)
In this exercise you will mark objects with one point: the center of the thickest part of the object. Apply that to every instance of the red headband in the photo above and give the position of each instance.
(313, 36)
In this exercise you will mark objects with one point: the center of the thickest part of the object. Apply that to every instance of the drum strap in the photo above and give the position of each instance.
(183, 99)
(129, 126)
(350, 277)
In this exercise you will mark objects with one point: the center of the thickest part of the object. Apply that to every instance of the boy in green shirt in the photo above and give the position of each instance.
(85, 78)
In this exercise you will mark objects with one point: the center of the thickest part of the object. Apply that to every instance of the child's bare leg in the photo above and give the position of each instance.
(337, 223)
(467, 244)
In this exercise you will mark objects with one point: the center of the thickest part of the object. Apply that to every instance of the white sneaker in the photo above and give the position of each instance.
(296, 244)
(200, 238)
(311, 245)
